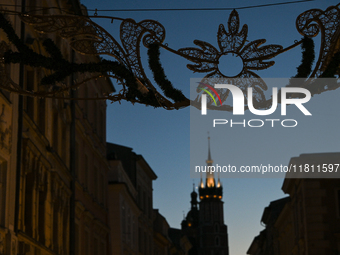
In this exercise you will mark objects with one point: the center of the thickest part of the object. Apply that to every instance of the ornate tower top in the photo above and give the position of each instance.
(193, 198)
(210, 189)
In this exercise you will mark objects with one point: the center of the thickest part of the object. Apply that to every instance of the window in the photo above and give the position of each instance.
(42, 210)
(55, 137)
(77, 161)
(86, 171)
(123, 221)
(28, 196)
(45, 8)
(103, 183)
(3, 177)
(150, 246)
(86, 102)
(102, 126)
(56, 226)
(96, 183)
(101, 189)
(216, 228)
(41, 114)
(144, 207)
(6, 93)
(217, 241)
(87, 243)
(140, 240)
(95, 246)
(139, 196)
(76, 234)
(95, 117)
(149, 208)
(128, 227)
(64, 152)
(30, 87)
(145, 244)
(31, 7)
(65, 236)
(102, 248)
(133, 232)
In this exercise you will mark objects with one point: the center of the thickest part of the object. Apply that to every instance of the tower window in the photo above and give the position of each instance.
(216, 228)
(217, 241)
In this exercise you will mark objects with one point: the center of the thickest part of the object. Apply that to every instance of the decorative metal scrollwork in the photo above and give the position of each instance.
(88, 38)
(311, 22)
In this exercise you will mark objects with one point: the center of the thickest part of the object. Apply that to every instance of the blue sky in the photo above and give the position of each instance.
(163, 137)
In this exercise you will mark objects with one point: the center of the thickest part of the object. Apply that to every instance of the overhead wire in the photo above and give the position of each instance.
(179, 9)
(33, 11)
(198, 9)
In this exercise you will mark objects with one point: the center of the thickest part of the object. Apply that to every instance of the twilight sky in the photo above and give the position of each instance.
(163, 137)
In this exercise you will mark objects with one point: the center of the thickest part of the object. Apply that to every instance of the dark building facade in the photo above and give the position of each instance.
(307, 222)
(204, 224)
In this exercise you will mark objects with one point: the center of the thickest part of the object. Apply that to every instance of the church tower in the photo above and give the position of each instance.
(213, 232)
(205, 226)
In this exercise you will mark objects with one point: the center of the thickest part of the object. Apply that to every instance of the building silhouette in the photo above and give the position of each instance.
(308, 220)
(130, 201)
(53, 156)
(204, 224)
(63, 189)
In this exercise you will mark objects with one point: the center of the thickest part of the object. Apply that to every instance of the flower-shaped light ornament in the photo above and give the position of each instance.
(209, 60)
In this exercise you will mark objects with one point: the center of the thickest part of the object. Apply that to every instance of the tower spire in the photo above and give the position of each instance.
(210, 182)
(209, 160)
